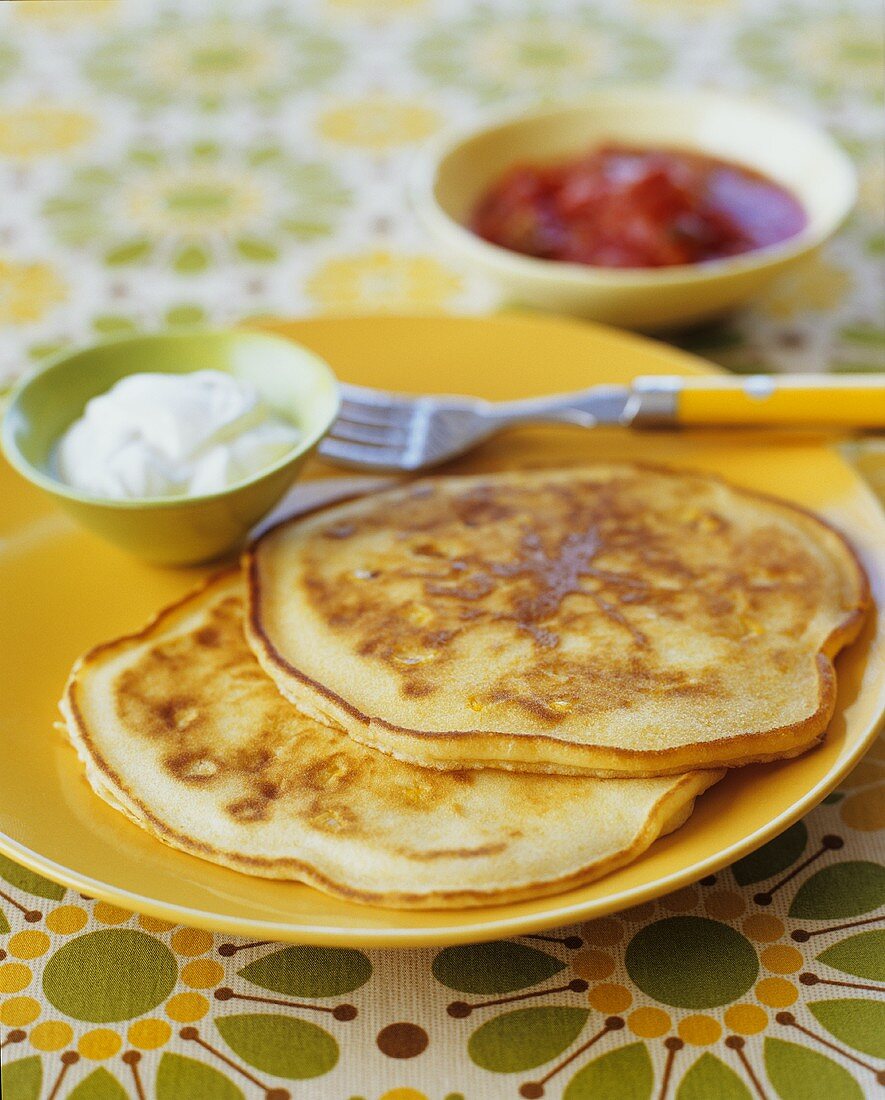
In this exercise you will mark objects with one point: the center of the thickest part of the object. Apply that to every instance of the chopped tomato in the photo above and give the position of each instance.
(624, 207)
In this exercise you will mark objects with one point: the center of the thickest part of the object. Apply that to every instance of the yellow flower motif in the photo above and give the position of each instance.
(149, 1034)
(18, 1011)
(99, 1044)
(40, 129)
(194, 199)
(28, 292)
(818, 284)
(383, 281)
(51, 1035)
(64, 13)
(185, 1008)
(699, 1030)
(378, 122)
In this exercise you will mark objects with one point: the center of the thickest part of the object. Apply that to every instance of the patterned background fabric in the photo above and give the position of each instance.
(191, 161)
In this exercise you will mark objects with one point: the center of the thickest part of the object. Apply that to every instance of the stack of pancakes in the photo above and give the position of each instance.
(473, 689)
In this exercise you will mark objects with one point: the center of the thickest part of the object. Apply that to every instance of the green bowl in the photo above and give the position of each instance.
(171, 530)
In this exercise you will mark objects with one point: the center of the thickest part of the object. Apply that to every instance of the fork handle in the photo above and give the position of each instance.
(762, 400)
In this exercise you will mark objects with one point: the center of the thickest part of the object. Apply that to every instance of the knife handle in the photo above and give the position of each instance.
(761, 400)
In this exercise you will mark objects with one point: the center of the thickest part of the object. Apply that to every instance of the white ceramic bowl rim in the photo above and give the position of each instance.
(425, 168)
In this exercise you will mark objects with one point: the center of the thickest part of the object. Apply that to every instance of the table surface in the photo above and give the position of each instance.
(181, 163)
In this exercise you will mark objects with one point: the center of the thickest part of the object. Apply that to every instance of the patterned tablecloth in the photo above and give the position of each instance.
(169, 163)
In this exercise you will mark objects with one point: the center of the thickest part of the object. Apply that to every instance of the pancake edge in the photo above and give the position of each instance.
(671, 810)
(560, 756)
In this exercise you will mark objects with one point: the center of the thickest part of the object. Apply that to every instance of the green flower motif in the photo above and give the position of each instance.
(196, 206)
(215, 60)
(9, 60)
(865, 221)
(840, 51)
(537, 53)
(703, 968)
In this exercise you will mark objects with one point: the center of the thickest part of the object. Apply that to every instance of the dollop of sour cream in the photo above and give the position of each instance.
(158, 435)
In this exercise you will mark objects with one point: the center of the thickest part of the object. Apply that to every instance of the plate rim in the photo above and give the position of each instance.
(554, 913)
(466, 932)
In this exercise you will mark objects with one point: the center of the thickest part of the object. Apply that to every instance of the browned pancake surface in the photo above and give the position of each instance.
(616, 618)
(180, 728)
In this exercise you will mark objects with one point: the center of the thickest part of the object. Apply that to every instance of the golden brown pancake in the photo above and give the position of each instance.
(612, 620)
(181, 730)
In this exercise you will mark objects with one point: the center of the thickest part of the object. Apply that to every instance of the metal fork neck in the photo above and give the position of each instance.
(586, 408)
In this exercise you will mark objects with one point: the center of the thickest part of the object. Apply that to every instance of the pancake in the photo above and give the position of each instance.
(612, 620)
(181, 730)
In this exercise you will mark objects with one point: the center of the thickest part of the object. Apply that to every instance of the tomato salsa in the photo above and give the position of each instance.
(620, 206)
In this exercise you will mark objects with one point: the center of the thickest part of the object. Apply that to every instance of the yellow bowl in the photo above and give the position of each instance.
(449, 179)
(171, 530)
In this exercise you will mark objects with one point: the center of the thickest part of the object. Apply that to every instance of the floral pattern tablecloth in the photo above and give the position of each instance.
(196, 161)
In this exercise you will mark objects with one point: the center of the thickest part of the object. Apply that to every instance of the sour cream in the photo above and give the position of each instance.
(161, 435)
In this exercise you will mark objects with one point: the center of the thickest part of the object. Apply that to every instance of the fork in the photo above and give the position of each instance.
(386, 431)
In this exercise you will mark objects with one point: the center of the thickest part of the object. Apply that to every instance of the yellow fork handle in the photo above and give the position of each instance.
(843, 401)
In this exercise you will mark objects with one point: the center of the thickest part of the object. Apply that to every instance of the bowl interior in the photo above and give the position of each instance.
(293, 381)
(787, 150)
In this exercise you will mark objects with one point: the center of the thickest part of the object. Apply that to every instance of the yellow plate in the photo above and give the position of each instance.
(63, 590)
